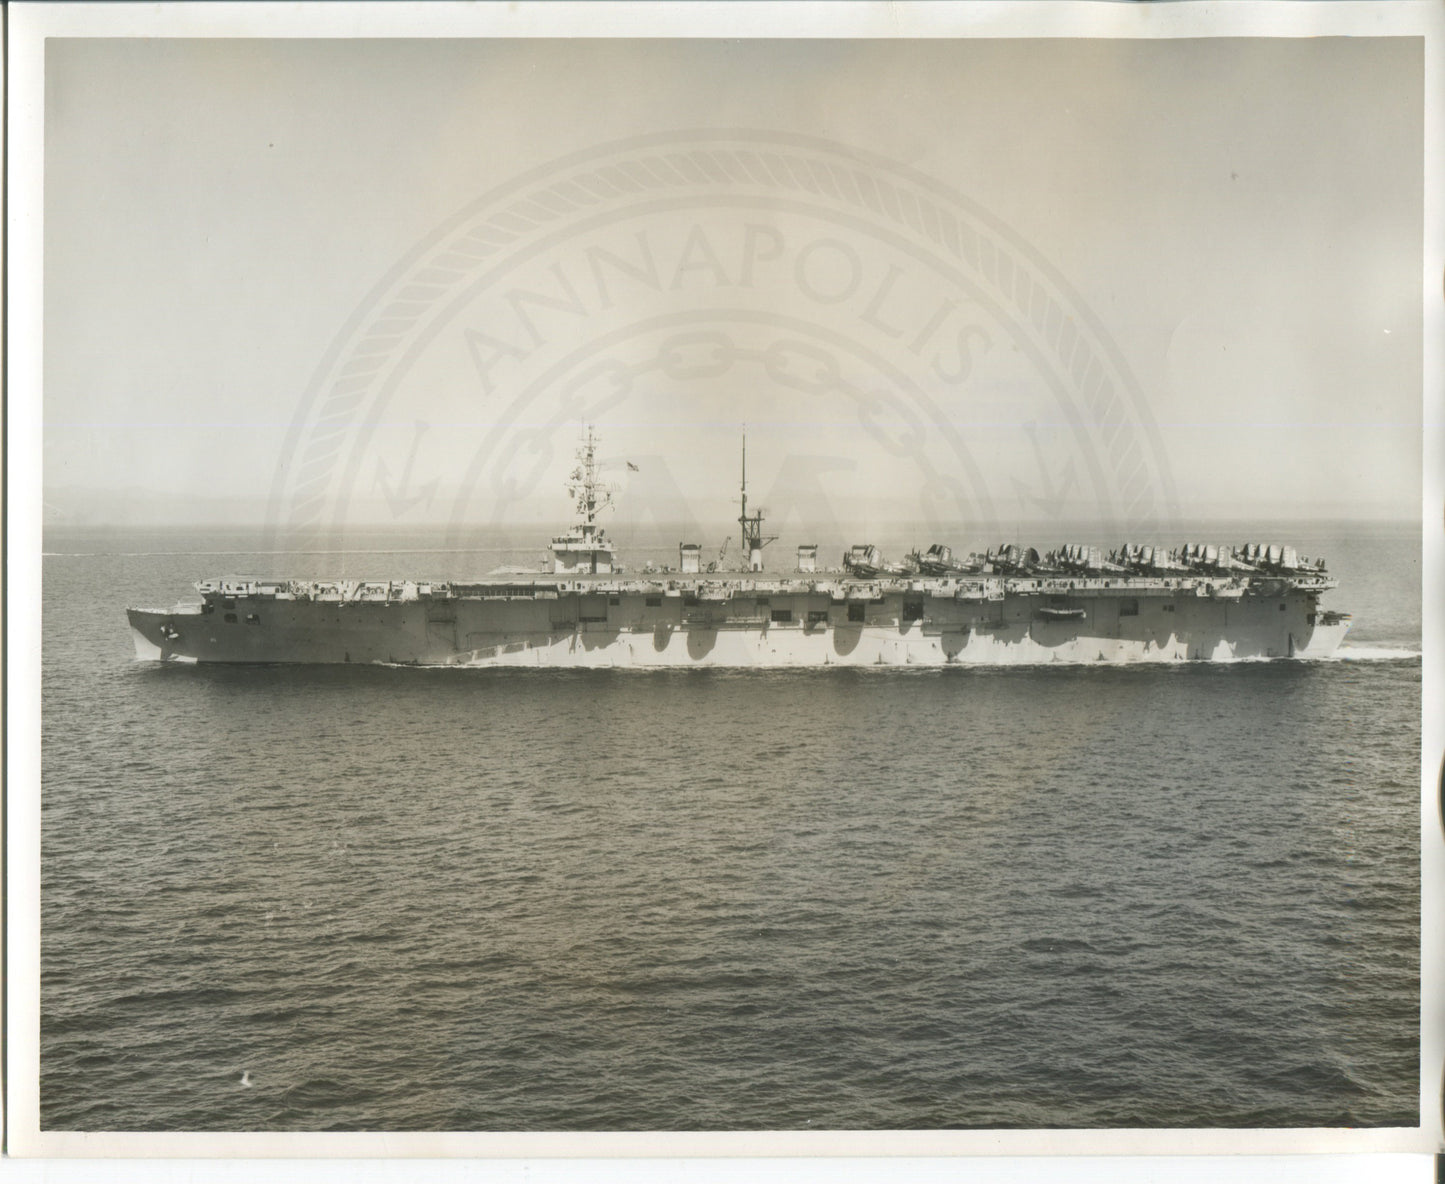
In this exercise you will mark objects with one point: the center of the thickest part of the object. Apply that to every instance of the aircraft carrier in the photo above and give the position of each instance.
(1009, 605)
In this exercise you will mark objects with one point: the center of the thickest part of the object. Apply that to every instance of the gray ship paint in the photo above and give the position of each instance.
(1009, 606)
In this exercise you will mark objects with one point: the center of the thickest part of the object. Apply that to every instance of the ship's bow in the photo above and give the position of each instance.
(158, 634)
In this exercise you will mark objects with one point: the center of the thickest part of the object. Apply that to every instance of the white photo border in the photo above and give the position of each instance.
(30, 24)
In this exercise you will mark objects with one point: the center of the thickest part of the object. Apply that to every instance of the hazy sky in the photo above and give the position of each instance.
(1241, 217)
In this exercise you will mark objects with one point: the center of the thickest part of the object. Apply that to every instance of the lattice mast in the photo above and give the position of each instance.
(592, 497)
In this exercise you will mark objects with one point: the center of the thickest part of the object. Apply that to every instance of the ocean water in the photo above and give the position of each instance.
(285, 898)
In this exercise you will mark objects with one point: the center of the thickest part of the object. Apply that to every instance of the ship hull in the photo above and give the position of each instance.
(787, 628)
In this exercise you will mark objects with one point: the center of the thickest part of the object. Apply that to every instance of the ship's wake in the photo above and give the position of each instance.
(1372, 653)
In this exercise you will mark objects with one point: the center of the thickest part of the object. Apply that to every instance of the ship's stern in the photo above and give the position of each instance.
(1326, 635)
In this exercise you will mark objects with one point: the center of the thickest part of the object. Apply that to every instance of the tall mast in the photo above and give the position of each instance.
(752, 524)
(743, 517)
(592, 498)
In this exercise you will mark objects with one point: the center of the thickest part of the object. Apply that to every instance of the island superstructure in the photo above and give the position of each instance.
(1008, 605)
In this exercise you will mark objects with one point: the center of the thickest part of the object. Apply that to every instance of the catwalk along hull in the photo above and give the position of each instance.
(757, 622)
